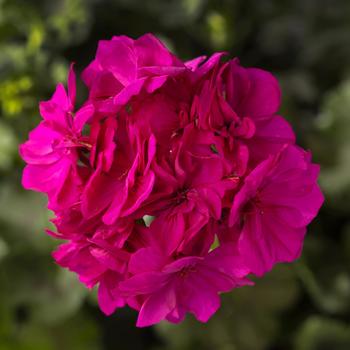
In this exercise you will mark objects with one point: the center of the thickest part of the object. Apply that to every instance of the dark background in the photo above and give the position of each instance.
(306, 44)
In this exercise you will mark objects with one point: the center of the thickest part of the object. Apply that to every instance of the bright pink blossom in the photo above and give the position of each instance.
(241, 106)
(173, 181)
(271, 210)
(124, 68)
(52, 150)
(170, 288)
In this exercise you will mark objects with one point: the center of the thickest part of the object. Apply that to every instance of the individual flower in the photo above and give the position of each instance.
(98, 258)
(240, 105)
(124, 68)
(52, 151)
(170, 288)
(278, 199)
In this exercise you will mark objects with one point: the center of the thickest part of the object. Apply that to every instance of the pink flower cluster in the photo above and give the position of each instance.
(173, 182)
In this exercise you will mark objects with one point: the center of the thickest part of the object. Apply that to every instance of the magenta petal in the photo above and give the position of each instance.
(120, 195)
(156, 307)
(36, 152)
(227, 259)
(96, 197)
(256, 247)
(143, 283)
(249, 190)
(107, 301)
(139, 193)
(176, 315)
(288, 244)
(82, 116)
(212, 61)
(105, 258)
(152, 52)
(128, 92)
(68, 193)
(154, 83)
(199, 298)
(264, 95)
(180, 264)
(76, 257)
(168, 232)
(45, 178)
(146, 260)
(270, 136)
(118, 56)
(193, 64)
(56, 108)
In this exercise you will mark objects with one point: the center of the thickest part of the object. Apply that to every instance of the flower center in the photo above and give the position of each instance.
(181, 195)
(187, 270)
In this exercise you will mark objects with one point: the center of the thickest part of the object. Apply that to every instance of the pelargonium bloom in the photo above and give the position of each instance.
(171, 287)
(52, 150)
(124, 67)
(271, 210)
(173, 182)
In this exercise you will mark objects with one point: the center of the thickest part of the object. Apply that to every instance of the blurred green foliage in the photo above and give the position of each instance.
(306, 43)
